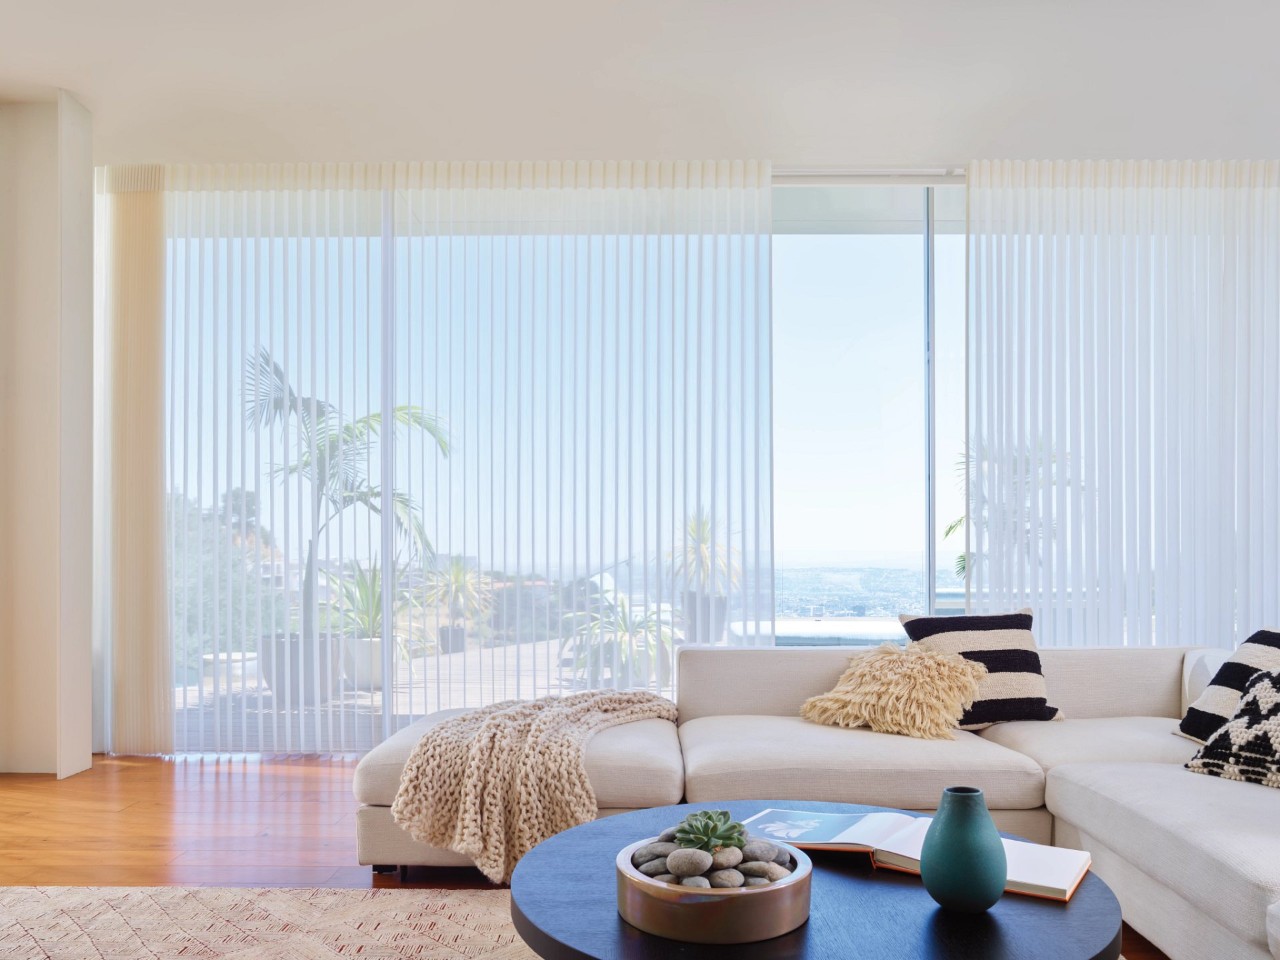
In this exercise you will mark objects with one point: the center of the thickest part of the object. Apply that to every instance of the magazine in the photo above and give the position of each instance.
(894, 841)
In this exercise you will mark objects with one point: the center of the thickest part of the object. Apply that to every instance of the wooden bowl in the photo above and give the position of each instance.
(715, 915)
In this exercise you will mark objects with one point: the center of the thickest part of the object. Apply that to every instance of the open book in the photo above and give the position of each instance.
(894, 840)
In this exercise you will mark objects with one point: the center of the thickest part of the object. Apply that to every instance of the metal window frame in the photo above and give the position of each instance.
(926, 180)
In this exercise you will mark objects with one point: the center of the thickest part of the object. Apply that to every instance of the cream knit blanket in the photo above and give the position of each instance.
(494, 783)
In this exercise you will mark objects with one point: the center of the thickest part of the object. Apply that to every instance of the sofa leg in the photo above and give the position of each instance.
(383, 868)
(404, 873)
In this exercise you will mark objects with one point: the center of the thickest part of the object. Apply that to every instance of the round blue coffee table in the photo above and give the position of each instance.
(564, 905)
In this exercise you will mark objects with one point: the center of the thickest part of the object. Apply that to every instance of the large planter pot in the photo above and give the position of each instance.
(301, 673)
(963, 863)
(233, 672)
(452, 639)
(705, 616)
(362, 662)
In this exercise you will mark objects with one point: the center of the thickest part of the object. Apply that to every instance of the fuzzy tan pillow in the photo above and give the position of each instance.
(913, 691)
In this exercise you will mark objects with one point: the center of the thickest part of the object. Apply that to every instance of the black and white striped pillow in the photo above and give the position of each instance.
(1014, 687)
(1247, 747)
(1221, 699)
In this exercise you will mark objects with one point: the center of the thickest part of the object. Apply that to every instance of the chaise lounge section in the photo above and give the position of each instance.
(630, 767)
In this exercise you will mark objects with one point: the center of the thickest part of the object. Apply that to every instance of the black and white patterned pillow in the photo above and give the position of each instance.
(1218, 703)
(1014, 687)
(1248, 747)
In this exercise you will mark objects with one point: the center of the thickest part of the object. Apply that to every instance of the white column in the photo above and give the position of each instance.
(46, 429)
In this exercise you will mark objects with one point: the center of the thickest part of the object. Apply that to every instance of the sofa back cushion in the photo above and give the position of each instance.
(1089, 682)
(774, 681)
(1083, 682)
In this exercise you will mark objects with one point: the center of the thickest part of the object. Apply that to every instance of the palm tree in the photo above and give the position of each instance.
(332, 456)
(1040, 470)
(705, 561)
(461, 589)
(634, 646)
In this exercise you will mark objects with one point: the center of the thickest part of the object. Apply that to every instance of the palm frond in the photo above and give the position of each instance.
(408, 523)
(270, 400)
(409, 416)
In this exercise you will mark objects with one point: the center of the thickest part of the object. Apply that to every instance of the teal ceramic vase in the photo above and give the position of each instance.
(962, 863)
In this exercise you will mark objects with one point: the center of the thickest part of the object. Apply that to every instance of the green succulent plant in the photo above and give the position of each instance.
(710, 830)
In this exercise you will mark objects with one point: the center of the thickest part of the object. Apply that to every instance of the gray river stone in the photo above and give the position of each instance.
(725, 878)
(758, 881)
(759, 850)
(688, 862)
(761, 868)
(652, 851)
(652, 868)
(726, 858)
(695, 882)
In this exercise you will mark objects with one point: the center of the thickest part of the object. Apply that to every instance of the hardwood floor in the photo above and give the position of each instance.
(208, 821)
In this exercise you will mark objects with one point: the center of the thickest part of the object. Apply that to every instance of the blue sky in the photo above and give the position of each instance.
(849, 400)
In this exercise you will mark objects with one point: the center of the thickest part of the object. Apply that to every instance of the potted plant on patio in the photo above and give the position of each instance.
(631, 644)
(329, 454)
(465, 593)
(359, 613)
(705, 568)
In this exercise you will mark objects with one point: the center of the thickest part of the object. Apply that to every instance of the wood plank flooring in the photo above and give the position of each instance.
(208, 821)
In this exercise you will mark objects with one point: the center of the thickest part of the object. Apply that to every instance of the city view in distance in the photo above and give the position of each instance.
(852, 590)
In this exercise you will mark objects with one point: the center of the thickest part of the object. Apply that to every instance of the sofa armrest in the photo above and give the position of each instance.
(1198, 667)
(1273, 929)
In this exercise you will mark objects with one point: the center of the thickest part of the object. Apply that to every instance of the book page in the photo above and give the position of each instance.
(1050, 870)
(906, 842)
(876, 829)
(809, 827)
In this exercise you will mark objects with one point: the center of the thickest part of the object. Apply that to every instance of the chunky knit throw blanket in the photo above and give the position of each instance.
(494, 783)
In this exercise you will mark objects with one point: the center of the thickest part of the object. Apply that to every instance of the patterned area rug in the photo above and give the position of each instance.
(214, 923)
(225, 923)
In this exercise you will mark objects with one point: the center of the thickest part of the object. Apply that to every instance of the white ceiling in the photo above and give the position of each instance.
(813, 82)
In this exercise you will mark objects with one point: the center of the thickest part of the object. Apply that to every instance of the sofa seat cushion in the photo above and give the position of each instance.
(631, 765)
(1213, 842)
(786, 758)
(1102, 740)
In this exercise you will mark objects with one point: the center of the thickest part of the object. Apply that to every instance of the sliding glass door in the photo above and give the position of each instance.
(441, 437)
(868, 292)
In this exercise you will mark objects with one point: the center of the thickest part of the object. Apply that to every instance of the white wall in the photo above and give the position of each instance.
(46, 343)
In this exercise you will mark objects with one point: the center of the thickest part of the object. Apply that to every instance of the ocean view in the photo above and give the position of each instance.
(855, 591)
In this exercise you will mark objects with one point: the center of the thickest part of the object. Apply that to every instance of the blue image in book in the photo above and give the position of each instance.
(802, 826)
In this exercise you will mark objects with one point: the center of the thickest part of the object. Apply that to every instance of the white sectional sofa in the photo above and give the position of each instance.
(1194, 860)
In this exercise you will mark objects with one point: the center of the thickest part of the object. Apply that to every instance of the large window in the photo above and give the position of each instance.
(433, 445)
(440, 438)
(869, 424)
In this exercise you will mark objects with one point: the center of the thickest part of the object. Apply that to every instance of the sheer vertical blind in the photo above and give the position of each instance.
(130, 523)
(1124, 362)
(441, 435)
